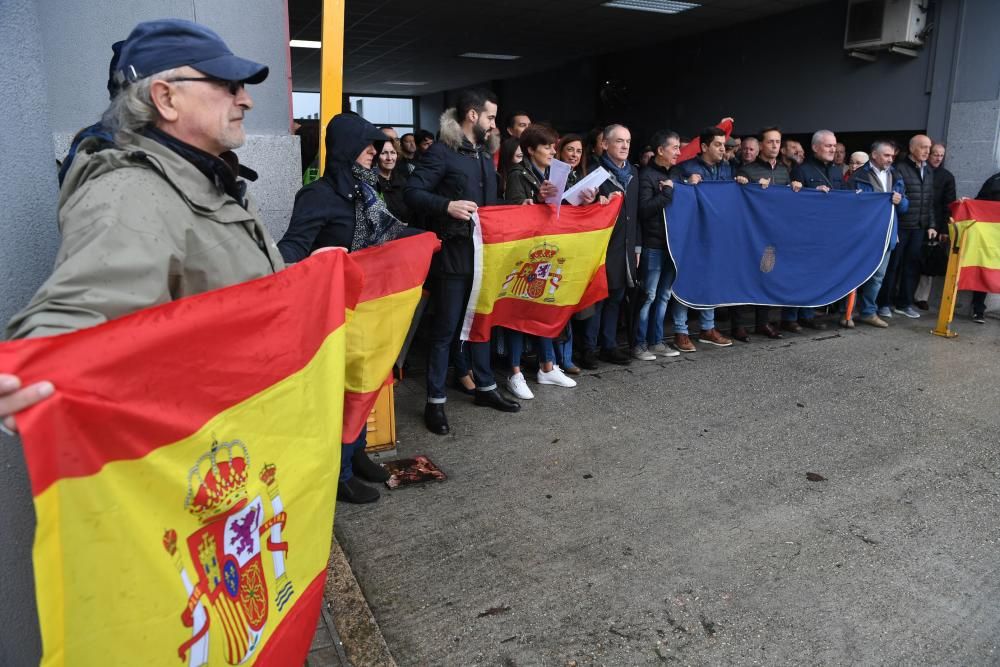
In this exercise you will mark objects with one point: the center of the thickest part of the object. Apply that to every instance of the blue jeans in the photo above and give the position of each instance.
(679, 313)
(657, 273)
(450, 295)
(793, 314)
(347, 451)
(602, 328)
(869, 291)
(564, 350)
(515, 347)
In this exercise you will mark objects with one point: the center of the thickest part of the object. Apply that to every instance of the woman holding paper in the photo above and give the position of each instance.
(527, 183)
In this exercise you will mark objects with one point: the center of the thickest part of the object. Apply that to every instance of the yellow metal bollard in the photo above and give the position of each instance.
(947, 311)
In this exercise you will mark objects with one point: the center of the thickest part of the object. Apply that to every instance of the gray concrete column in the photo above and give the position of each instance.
(30, 239)
(974, 117)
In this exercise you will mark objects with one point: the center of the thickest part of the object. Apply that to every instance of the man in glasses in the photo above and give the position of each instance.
(159, 214)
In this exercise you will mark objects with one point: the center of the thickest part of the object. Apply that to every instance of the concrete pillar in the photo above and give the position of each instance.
(974, 117)
(28, 192)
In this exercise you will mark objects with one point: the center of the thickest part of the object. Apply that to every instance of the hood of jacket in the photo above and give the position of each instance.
(348, 134)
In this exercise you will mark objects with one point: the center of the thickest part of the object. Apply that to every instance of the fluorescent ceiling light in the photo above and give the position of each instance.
(405, 83)
(657, 6)
(488, 56)
(305, 44)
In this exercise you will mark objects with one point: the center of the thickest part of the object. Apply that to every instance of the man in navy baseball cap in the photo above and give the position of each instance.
(156, 46)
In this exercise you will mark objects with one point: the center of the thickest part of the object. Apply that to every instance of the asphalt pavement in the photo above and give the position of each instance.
(826, 499)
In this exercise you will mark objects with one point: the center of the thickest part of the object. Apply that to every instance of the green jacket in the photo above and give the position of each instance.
(141, 226)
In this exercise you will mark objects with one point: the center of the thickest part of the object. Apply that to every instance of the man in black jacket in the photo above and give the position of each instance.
(818, 172)
(452, 179)
(620, 262)
(944, 194)
(915, 225)
(766, 170)
(656, 269)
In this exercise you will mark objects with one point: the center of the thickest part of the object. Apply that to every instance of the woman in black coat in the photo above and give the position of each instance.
(344, 208)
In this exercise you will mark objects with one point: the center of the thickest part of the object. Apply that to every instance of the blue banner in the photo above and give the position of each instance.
(736, 244)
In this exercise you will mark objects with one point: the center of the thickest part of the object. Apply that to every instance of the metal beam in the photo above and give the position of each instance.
(332, 74)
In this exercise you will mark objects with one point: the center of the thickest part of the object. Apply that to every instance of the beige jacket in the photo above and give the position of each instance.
(141, 226)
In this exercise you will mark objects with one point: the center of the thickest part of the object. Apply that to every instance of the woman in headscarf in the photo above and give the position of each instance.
(344, 209)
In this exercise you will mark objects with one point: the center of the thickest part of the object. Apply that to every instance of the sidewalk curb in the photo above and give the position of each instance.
(353, 619)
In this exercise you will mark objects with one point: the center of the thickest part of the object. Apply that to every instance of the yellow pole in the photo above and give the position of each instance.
(332, 73)
(947, 311)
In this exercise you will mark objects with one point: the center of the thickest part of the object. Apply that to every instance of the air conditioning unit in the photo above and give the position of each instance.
(878, 24)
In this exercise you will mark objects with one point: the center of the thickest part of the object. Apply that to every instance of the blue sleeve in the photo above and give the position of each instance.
(904, 204)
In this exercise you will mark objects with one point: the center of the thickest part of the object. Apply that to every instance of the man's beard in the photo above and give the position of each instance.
(480, 133)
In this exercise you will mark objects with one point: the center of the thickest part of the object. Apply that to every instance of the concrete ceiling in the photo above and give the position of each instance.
(407, 41)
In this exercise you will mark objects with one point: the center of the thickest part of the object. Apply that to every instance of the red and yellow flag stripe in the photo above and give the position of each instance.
(188, 449)
(535, 268)
(978, 224)
(394, 278)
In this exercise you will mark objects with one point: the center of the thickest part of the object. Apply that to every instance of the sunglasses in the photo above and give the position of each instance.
(233, 87)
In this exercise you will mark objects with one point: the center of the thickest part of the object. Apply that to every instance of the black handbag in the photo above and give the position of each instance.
(934, 258)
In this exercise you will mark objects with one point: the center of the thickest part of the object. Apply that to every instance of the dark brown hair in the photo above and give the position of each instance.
(536, 135)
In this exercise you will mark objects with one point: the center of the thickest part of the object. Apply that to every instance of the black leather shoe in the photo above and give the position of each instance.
(768, 330)
(435, 419)
(357, 492)
(813, 324)
(493, 399)
(741, 334)
(589, 360)
(616, 356)
(367, 469)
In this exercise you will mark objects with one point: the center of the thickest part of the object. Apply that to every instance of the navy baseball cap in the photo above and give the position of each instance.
(155, 46)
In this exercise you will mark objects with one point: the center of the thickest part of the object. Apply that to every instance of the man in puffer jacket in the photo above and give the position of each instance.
(915, 226)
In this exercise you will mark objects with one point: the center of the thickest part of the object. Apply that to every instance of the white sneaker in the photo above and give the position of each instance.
(556, 377)
(661, 350)
(642, 353)
(519, 387)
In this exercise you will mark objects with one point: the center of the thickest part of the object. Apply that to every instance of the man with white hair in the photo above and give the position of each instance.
(160, 214)
(817, 171)
(915, 225)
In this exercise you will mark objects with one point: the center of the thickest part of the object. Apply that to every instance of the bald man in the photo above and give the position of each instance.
(916, 225)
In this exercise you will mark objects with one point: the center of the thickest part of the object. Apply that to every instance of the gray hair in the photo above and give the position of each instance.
(132, 108)
(611, 128)
(880, 144)
(818, 137)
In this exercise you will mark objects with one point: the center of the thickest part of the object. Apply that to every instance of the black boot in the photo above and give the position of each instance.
(367, 469)
(588, 360)
(493, 399)
(434, 418)
(355, 491)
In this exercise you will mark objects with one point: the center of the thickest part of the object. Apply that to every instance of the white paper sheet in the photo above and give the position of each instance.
(594, 179)
(558, 175)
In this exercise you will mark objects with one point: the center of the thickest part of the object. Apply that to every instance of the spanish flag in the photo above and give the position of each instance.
(394, 277)
(184, 473)
(534, 268)
(978, 224)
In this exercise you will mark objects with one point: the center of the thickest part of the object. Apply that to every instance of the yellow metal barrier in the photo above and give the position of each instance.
(946, 313)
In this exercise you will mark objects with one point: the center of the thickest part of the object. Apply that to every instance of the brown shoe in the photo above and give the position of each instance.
(794, 327)
(874, 320)
(741, 334)
(713, 337)
(768, 330)
(683, 343)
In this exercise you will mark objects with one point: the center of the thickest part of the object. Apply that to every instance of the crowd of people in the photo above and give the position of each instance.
(174, 120)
